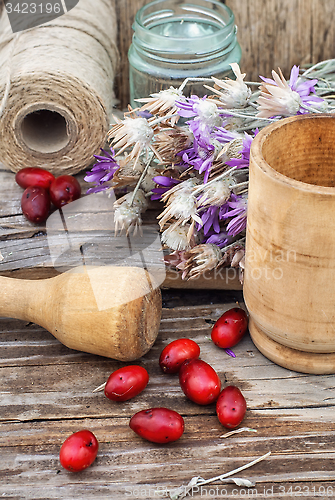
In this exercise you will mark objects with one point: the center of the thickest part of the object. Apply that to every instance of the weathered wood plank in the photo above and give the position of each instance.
(125, 461)
(46, 390)
(52, 392)
(46, 394)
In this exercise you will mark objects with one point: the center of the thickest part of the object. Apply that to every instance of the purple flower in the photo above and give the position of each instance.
(205, 112)
(166, 182)
(188, 108)
(237, 215)
(221, 239)
(223, 135)
(200, 156)
(281, 98)
(211, 217)
(102, 172)
(304, 89)
(245, 152)
(144, 114)
(200, 130)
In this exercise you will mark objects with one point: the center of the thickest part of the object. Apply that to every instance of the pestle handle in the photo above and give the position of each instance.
(110, 311)
(23, 299)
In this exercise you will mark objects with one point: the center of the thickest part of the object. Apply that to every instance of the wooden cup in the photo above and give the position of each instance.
(290, 247)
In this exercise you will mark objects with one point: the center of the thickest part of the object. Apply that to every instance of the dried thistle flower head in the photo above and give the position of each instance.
(178, 237)
(232, 149)
(128, 211)
(163, 103)
(128, 173)
(127, 217)
(205, 112)
(171, 141)
(228, 151)
(198, 260)
(277, 98)
(232, 93)
(216, 193)
(181, 203)
(281, 98)
(136, 132)
(208, 113)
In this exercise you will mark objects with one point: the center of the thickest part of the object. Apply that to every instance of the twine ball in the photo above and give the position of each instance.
(56, 86)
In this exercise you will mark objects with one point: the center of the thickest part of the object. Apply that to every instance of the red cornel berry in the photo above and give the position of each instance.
(230, 328)
(199, 381)
(231, 407)
(126, 383)
(79, 451)
(174, 354)
(64, 189)
(34, 176)
(158, 425)
(35, 204)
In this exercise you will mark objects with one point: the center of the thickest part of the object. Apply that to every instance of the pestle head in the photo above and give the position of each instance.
(110, 311)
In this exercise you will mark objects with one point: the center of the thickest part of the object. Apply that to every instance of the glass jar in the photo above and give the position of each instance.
(175, 39)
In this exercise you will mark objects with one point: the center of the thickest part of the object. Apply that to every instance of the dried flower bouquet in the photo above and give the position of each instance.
(192, 154)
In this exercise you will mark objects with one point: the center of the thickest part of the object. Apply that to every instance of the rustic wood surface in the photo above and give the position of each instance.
(271, 33)
(47, 389)
(47, 393)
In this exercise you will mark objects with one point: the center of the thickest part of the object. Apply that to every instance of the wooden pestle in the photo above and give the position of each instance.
(87, 308)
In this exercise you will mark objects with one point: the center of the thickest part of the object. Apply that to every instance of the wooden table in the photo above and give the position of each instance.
(47, 393)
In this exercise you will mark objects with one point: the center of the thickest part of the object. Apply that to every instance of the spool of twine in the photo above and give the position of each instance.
(56, 89)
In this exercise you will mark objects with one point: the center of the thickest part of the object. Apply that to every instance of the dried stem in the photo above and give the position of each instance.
(235, 471)
(100, 388)
(181, 492)
(137, 187)
(237, 242)
(219, 177)
(237, 431)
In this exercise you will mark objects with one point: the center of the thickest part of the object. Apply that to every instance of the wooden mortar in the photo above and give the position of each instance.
(110, 311)
(290, 246)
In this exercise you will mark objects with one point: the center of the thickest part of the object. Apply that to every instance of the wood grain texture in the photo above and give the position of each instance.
(46, 394)
(46, 388)
(271, 33)
(290, 262)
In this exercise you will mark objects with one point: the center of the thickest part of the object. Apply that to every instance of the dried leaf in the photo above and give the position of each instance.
(182, 491)
(240, 482)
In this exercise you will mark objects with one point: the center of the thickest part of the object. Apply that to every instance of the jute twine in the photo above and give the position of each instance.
(56, 89)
